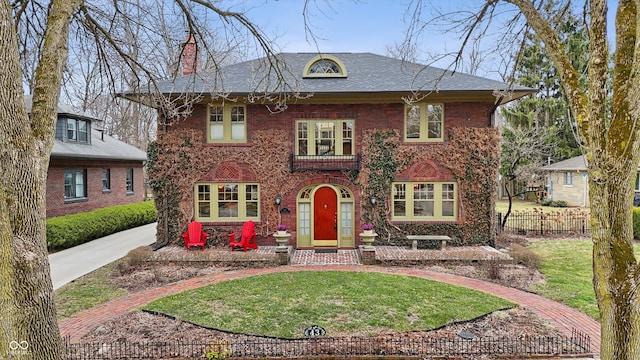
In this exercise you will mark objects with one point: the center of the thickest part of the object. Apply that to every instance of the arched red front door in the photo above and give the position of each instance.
(325, 217)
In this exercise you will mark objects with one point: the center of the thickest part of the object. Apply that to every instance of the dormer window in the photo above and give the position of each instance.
(73, 130)
(324, 66)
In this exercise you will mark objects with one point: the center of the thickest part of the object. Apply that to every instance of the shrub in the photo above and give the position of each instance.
(525, 256)
(636, 222)
(71, 230)
(493, 270)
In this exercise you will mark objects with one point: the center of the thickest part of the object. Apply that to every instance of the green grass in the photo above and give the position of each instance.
(567, 266)
(285, 304)
(88, 291)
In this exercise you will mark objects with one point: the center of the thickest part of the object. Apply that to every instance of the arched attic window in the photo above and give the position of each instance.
(324, 66)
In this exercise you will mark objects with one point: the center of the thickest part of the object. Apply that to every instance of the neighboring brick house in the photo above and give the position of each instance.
(89, 170)
(349, 150)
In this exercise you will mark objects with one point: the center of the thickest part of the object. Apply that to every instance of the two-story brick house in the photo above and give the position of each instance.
(367, 139)
(88, 169)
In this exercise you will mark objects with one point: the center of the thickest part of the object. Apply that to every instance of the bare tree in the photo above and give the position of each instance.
(26, 292)
(610, 136)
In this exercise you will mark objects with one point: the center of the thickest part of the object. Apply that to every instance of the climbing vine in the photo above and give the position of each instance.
(180, 158)
(470, 154)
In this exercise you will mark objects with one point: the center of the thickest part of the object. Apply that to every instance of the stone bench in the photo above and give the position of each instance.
(430, 238)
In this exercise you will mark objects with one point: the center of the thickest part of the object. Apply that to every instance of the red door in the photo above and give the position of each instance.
(325, 219)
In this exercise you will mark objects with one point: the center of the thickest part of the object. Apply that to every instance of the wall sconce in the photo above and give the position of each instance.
(278, 199)
(373, 199)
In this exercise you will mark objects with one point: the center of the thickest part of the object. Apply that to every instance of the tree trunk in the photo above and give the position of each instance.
(28, 320)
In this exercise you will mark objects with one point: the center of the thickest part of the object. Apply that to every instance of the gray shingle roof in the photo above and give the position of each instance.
(367, 73)
(102, 147)
(578, 163)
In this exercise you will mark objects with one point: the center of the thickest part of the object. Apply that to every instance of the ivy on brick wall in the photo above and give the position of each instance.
(471, 154)
(179, 159)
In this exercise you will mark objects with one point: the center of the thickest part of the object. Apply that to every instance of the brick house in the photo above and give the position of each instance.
(89, 170)
(369, 139)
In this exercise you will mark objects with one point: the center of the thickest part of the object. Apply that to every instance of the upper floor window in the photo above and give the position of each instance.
(322, 66)
(129, 180)
(227, 123)
(75, 184)
(324, 138)
(424, 122)
(424, 201)
(227, 201)
(73, 130)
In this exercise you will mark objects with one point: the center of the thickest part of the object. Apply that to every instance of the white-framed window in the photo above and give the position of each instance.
(227, 201)
(424, 122)
(77, 130)
(568, 178)
(227, 123)
(424, 201)
(75, 184)
(324, 137)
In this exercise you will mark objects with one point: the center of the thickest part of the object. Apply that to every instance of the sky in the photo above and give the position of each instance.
(356, 25)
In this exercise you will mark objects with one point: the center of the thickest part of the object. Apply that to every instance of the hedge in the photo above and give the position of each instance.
(636, 222)
(71, 230)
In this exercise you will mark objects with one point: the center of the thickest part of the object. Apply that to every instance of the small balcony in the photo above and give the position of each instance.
(324, 162)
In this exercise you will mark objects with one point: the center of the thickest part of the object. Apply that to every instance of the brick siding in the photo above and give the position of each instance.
(96, 198)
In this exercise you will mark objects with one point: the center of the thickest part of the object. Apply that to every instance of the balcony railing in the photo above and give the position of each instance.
(324, 162)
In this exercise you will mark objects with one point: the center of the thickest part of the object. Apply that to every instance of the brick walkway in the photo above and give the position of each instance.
(561, 316)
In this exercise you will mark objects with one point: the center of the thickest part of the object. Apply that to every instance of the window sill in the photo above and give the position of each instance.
(129, 193)
(76, 200)
(107, 191)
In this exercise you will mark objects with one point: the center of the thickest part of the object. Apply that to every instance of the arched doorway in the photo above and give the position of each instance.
(325, 217)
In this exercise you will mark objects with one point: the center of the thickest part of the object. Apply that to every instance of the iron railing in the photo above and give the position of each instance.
(546, 223)
(324, 162)
(408, 344)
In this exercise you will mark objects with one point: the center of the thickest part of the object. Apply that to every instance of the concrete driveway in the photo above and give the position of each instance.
(70, 264)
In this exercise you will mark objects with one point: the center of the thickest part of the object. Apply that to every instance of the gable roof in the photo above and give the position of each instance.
(578, 163)
(367, 73)
(103, 147)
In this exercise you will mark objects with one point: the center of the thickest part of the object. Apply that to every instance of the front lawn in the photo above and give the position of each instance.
(344, 303)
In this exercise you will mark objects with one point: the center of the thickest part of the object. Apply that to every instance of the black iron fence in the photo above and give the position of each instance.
(407, 344)
(324, 162)
(540, 223)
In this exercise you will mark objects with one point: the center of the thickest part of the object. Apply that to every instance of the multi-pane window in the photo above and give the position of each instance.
(568, 178)
(424, 122)
(324, 138)
(227, 123)
(77, 130)
(106, 179)
(75, 184)
(129, 180)
(424, 201)
(232, 201)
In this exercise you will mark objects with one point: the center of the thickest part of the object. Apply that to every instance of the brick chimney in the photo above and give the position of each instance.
(189, 60)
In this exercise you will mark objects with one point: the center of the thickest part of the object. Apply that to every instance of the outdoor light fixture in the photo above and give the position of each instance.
(278, 199)
(373, 199)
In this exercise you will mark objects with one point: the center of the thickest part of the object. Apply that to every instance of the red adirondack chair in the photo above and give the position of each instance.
(194, 235)
(245, 239)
